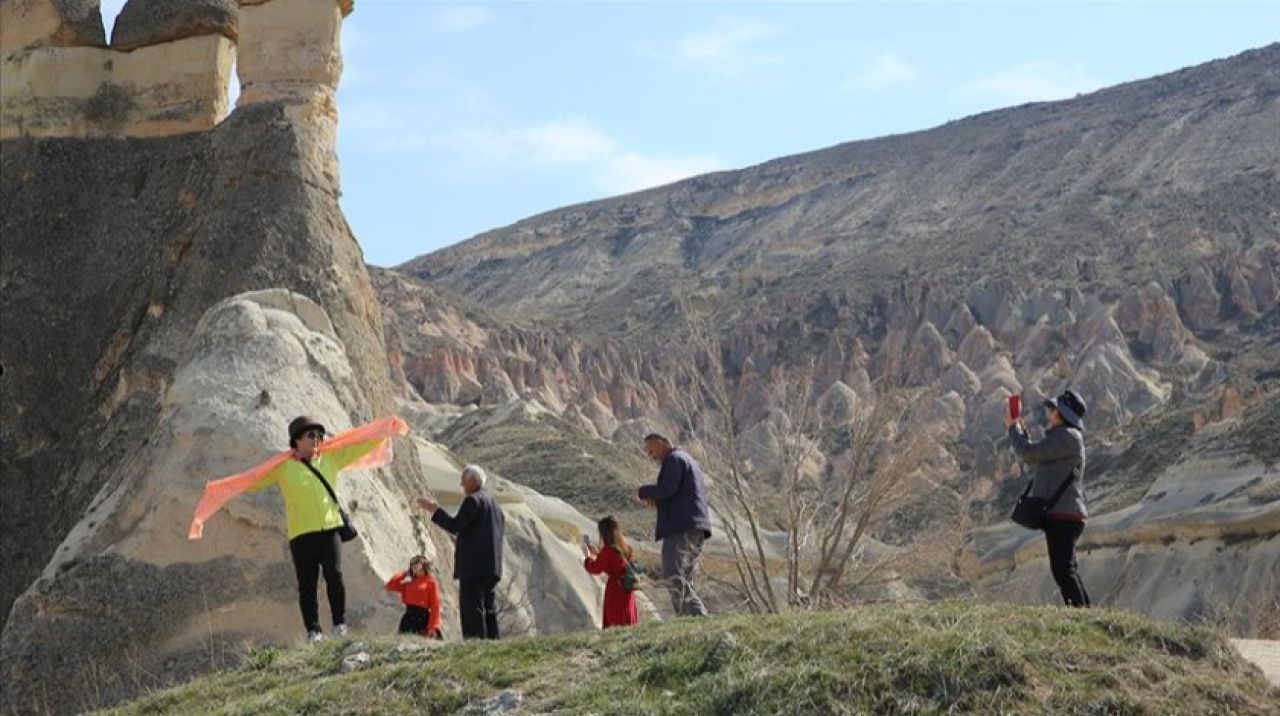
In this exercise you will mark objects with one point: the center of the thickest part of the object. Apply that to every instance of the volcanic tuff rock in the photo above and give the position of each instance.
(151, 22)
(169, 303)
(126, 589)
(30, 23)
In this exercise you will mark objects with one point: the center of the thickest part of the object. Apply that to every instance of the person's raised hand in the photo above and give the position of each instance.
(428, 505)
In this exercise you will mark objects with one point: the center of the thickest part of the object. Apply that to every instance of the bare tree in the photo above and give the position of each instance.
(823, 511)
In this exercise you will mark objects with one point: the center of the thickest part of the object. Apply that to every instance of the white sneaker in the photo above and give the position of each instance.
(340, 631)
(315, 636)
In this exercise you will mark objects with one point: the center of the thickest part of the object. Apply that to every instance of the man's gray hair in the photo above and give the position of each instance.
(477, 472)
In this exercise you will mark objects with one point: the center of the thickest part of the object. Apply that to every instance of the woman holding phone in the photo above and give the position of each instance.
(1058, 463)
(611, 559)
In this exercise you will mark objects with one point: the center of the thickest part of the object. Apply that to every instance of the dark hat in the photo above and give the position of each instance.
(1071, 407)
(302, 424)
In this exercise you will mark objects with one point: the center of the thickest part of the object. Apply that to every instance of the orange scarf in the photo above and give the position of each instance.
(219, 492)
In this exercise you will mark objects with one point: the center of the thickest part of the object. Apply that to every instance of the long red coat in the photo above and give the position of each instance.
(619, 604)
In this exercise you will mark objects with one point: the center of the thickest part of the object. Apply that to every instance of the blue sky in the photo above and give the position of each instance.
(458, 118)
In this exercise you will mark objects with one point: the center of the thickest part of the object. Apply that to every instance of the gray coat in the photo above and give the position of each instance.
(1053, 459)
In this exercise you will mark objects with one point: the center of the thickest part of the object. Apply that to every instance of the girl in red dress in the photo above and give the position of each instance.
(611, 559)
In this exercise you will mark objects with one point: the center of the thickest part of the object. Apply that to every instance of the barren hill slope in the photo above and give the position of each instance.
(1125, 243)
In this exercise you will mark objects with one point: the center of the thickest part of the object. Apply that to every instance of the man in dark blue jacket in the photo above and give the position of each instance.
(684, 521)
(477, 558)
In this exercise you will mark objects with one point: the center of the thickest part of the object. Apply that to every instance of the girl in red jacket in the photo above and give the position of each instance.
(611, 559)
(420, 593)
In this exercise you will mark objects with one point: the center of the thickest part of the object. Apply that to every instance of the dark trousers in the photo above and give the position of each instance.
(313, 552)
(415, 620)
(477, 605)
(1061, 537)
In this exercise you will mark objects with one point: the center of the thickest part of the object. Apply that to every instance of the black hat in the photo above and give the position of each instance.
(1071, 407)
(302, 424)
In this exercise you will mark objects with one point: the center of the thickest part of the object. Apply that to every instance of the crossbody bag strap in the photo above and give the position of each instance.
(324, 482)
(1063, 490)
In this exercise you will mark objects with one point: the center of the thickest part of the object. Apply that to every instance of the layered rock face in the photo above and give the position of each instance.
(166, 71)
(170, 302)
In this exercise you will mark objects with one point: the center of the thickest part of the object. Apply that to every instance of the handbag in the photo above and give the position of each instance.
(347, 531)
(1032, 512)
(633, 576)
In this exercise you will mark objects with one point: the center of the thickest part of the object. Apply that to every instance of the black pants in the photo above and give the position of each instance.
(415, 620)
(313, 552)
(478, 607)
(1061, 536)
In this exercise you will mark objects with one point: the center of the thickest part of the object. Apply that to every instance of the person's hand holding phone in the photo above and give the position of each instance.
(1014, 413)
(587, 549)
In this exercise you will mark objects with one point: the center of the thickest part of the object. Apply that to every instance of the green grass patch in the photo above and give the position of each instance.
(885, 659)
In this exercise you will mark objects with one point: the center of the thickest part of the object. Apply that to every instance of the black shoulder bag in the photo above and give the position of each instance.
(1032, 512)
(347, 531)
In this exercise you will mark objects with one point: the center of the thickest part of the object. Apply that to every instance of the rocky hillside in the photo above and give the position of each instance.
(1125, 243)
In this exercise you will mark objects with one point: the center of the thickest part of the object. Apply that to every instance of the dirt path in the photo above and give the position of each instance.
(1266, 654)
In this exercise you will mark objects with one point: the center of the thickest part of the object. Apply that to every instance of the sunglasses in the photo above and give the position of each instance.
(314, 434)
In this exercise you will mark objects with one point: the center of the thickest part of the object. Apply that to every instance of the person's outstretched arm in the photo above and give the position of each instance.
(669, 478)
(1057, 445)
(468, 512)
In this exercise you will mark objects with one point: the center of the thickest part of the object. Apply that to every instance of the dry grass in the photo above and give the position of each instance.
(886, 659)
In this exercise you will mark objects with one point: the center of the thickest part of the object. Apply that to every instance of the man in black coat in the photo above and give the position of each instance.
(684, 520)
(477, 559)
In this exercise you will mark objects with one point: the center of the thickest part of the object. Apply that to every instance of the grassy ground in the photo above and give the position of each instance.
(890, 659)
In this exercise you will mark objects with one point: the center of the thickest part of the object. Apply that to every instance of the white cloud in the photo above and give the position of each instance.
(627, 171)
(563, 141)
(728, 48)
(459, 18)
(888, 70)
(1032, 82)
(573, 143)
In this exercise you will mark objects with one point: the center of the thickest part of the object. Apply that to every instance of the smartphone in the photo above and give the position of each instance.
(1015, 406)
(586, 540)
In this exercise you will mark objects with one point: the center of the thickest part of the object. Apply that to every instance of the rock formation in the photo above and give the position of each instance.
(217, 293)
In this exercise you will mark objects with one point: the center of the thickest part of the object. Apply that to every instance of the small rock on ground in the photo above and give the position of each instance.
(356, 662)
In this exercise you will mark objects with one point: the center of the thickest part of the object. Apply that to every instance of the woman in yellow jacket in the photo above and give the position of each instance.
(314, 518)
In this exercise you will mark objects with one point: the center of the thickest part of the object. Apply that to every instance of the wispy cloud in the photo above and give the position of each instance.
(728, 48)
(1032, 82)
(887, 70)
(455, 19)
(573, 143)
